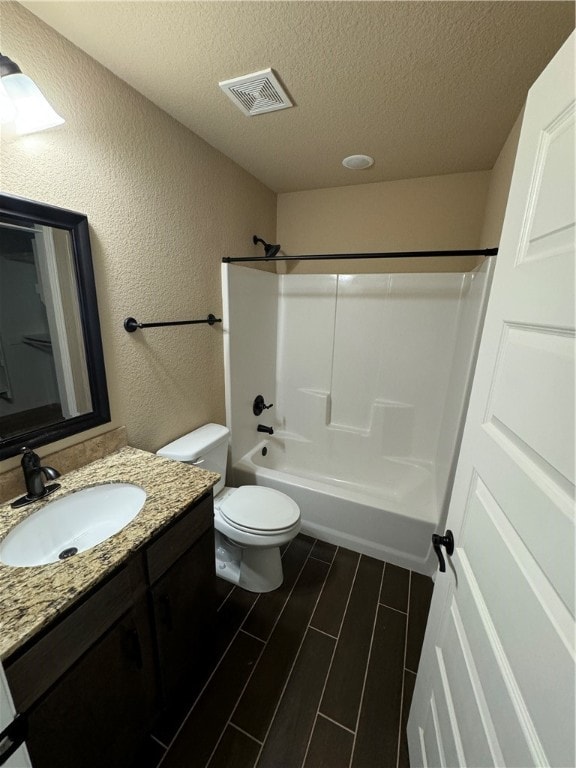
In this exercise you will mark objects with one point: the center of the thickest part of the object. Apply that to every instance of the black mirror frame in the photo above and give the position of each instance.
(77, 224)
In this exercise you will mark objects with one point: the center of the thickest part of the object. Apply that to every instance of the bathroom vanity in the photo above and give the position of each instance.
(97, 646)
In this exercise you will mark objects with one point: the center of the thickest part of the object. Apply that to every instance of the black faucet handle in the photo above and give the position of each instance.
(30, 460)
(33, 471)
(259, 405)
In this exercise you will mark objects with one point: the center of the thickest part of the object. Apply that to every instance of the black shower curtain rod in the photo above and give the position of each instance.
(391, 255)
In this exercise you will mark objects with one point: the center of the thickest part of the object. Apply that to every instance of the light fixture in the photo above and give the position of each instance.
(269, 250)
(358, 162)
(30, 110)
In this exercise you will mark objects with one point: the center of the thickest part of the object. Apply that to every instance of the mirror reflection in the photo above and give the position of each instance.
(43, 375)
(52, 380)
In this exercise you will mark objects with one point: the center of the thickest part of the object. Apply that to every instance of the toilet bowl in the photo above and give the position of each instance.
(251, 522)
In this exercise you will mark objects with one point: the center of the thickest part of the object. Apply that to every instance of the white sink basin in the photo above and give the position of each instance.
(72, 524)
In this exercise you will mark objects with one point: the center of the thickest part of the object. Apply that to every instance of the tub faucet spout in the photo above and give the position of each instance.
(262, 428)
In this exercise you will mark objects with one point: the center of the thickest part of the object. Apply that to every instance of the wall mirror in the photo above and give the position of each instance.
(52, 375)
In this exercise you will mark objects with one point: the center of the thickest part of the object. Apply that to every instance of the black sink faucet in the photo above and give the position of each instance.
(33, 471)
(262, 428)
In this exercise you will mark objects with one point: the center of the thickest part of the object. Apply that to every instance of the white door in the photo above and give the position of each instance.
(8, 736)
(496, 681)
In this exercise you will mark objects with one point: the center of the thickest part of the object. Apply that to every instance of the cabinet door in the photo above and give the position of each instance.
(99, 713)
(185, 609)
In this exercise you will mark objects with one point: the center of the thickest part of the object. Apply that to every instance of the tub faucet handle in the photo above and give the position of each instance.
(259, 405)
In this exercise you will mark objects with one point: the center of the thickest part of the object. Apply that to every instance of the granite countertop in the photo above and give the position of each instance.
(30, 598)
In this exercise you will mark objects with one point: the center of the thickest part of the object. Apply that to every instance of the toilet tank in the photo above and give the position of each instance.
(206, 448)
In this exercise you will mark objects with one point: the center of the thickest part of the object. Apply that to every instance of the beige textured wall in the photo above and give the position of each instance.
(163, 208)
(429, 213)
(500, 187)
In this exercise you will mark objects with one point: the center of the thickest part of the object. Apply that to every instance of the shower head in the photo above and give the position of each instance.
(269, 250)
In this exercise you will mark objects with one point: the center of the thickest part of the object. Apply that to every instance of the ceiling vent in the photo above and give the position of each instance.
(257, 93)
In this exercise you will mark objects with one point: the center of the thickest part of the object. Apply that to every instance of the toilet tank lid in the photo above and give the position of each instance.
(194, 444)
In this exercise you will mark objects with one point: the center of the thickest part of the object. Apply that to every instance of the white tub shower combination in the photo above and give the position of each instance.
(369, 376)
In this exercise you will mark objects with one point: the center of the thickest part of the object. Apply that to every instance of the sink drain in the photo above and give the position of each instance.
(67, 553)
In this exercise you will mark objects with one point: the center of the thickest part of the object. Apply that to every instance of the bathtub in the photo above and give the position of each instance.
(387, 510)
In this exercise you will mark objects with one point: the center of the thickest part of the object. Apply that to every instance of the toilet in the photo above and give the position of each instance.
(251, 523)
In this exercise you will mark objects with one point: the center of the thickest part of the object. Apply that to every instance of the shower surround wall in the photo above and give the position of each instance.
(369, 376)
(249, 324)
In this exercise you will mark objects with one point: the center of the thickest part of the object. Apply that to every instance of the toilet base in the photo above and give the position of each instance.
(227, 559)
(256, 569)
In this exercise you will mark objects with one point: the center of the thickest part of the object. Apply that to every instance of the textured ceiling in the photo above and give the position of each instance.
(426, 88)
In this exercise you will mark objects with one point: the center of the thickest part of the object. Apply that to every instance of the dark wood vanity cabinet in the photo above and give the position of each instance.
(184, 609)
(93, 684)
(99, 713)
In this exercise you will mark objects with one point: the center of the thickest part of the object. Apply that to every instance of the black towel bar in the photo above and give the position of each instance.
(131, 325)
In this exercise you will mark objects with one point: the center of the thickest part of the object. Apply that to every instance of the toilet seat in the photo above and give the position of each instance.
(258, 510)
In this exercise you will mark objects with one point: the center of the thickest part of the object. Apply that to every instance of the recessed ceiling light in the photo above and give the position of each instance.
(358, 162)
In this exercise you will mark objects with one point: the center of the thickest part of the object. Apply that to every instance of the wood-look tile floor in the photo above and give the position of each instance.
(317, 674)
